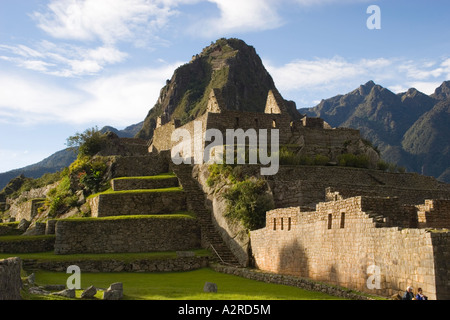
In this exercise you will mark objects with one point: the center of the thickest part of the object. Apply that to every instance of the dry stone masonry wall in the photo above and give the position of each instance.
(342, 240)
(137, 203)
(121, 235)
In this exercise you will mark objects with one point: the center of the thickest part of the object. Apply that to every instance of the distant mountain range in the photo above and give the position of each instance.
(60, 159)
(411, 129)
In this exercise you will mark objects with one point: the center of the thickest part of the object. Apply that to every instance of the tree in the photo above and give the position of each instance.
(88, 143)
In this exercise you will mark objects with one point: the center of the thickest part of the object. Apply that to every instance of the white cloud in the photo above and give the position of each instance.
(108, 21)
(119, 100)
(304, 74)
(240, 16)
(62, 59)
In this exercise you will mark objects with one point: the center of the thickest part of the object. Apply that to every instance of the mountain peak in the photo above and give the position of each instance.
(365, 89)
(228, 65)
(442, 92)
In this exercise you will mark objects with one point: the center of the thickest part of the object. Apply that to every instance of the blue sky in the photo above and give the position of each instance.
(67, 65)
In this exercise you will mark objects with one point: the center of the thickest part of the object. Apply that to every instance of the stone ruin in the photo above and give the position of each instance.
(330, 223)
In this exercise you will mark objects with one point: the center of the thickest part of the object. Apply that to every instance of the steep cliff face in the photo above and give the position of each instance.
(229, 65)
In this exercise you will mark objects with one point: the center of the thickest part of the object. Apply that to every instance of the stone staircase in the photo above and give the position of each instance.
(196, 203)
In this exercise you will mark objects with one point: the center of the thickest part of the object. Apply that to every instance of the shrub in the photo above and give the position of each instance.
(61, 197)
(382, 165)
(93, 176)
(351, 160)
(321, 160)
(248, 202)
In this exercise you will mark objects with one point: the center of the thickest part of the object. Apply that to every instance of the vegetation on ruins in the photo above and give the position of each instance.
(88, 143)
(247, 197)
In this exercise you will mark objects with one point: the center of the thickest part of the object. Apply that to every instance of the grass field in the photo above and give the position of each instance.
(184, 286)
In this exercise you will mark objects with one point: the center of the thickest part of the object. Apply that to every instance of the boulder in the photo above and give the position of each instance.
(89, 293)
(23, 225)
(114, 292)
(30, 279)
(210, 287)
(68, 293)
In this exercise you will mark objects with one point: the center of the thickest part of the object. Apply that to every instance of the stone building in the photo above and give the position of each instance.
(370, 244)
(307, 136)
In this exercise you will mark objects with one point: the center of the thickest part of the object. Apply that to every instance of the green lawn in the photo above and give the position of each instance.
(185, 286)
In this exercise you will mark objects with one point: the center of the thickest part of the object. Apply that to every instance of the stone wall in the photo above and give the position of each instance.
(114, 265)
(136, 166)
(121, 235)
(27, 244)
(441, 246)
(10, 281)
(142, 183)
(340, 242)
(306, 186)
(137, 203)
(222, 121)
(21, 207)
(250, 120)
(407, 193)
(10, 229)
(114, 145)
(434, 214)
(27, 210)
(293, 281)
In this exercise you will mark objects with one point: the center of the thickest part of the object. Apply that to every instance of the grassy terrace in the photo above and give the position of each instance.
(111, 191)
(127, 257)
(158, 177)
(10, 224)
(176, 215)
(24, 238)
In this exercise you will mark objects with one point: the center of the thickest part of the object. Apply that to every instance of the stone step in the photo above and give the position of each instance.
(145, 183)
(137, 202)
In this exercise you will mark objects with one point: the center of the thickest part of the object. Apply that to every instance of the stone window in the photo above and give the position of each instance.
(282, 224)
(289, 224)
(274, 224)
(342, 220)
(330, 220)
